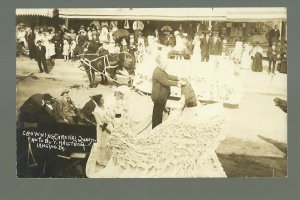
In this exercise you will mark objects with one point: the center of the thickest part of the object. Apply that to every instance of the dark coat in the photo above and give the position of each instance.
(204, 45)
(161, 82)
(94, 46)
(215, 48)
(65, 108)
(274, 35)
(34, 112)
(88, 110)
(272, 53)
(82, 39)
(169, 41)
(46, 115)
(40, 53)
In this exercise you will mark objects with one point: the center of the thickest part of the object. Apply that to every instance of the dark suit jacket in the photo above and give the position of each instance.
(65, 108)
(47, 115)
(169, 41)
(87, 111)
(215, 48)
(274, 34)
(272, 53)
(161, 82)
(204, 44)
(40, 53)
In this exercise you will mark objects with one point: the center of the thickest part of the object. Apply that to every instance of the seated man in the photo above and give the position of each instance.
(66, 108)
(36, 109)
(48, 113)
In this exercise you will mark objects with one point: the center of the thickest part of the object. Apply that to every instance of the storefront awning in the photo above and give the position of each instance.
(46, 12)
(175, 14)
(164, 14)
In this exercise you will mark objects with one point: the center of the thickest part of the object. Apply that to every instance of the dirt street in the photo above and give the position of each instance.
(257, 129)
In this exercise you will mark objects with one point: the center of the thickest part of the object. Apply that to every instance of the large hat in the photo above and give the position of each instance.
(166, 29)
(64, 91)
(47, 97)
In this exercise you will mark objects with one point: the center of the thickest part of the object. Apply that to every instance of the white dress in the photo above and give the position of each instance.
(246, 61)
(196, 50)
(179, 147)
(237, 51)
(21, 36)
(50, 49)
(179, 44)
(66, 49)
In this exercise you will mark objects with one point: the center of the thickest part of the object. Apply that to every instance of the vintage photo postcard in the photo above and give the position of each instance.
(151, 92)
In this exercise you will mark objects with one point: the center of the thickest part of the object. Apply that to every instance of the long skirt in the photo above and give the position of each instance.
(257, 63)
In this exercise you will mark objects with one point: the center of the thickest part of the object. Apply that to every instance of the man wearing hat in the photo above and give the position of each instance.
(204, 46)
(273, 35)
(273, 54)
(49, 112)
(41, 57)
(215, 45)
(66, 108)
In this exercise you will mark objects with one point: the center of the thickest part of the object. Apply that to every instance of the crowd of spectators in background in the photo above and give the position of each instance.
(195, 39)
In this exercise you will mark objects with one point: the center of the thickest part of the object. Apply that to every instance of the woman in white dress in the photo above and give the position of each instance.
(246, 61)
(182, 146)
(237, 51)
(196, 50)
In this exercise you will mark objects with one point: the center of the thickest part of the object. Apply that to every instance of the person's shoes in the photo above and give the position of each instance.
(41, 71)
(47, 72)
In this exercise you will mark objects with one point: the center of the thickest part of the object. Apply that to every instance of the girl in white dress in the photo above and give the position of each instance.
(66, 50)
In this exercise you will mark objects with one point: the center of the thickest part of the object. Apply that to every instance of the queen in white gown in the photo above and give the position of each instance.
(182, 146)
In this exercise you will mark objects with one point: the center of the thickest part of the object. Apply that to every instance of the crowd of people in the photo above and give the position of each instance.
(252, 56)
(198, 42)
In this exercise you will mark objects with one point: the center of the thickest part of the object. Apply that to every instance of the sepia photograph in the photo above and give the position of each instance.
(151, 92)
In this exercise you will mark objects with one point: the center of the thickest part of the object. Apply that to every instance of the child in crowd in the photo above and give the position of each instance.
(66, 50)
(72, 47)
